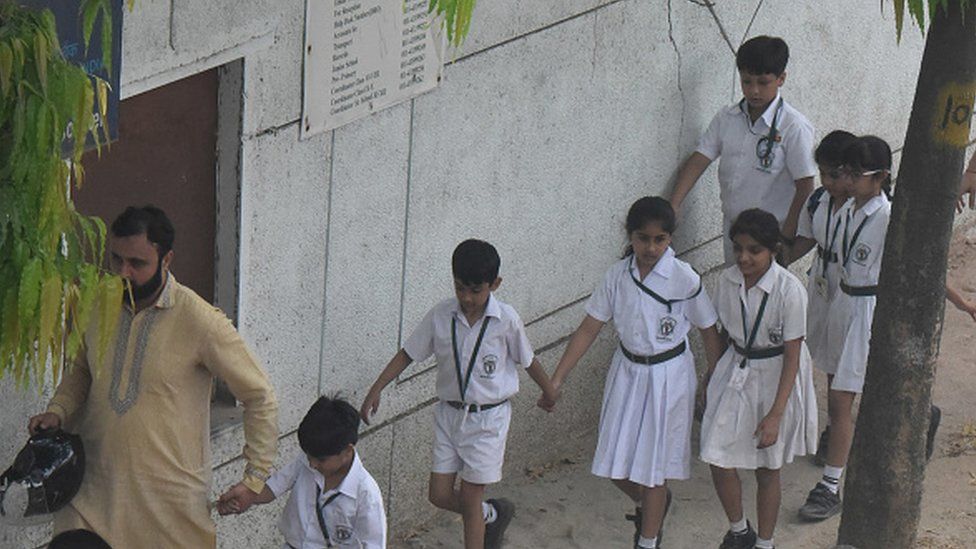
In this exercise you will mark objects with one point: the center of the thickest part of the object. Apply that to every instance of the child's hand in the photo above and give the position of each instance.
(968, 186)
(370, 405)
(237, 499)
(701, 401)
(548, 401)
(967, 307)
(768, 431)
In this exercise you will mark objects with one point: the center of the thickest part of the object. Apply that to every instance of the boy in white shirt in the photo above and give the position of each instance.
(766, 146)
(478, 342)
(334, 501)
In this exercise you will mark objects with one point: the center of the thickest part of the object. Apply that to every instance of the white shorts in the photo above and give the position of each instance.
(471, 443)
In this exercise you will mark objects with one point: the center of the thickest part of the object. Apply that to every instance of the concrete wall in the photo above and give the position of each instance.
(553, 118)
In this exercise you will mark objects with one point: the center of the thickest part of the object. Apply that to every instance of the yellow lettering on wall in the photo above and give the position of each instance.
(953, 113)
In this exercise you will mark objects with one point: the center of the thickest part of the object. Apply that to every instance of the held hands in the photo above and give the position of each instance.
(43, 422)
(701, 400)
(236, 500)
(768, 430)
(549, 398)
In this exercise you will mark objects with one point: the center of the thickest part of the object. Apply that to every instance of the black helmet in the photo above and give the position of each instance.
(45, 475)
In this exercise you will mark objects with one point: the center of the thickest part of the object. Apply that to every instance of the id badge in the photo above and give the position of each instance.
(820, 283)
(738, 379)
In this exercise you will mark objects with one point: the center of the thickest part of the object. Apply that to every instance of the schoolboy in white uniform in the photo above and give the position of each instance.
(764, 143)
(478, 342)
(334, 501)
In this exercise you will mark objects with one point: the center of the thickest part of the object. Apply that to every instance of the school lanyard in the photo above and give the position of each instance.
(857, 232)
(764, 147)
(755, 325)
(828, 240)
(657, 297)
(463, 385)
(319, 513)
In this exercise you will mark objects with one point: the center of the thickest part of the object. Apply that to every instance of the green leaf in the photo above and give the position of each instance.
(29, 291)
(40, 59)
(6, 67)
(107, 40)
(89, 11)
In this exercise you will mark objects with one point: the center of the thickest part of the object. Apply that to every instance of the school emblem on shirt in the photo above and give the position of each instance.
(861, 253)
(776, 335)
(665, 328)
(343, 534)
(489, 363)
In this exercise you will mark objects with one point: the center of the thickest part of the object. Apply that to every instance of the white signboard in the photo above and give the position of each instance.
(365, 55)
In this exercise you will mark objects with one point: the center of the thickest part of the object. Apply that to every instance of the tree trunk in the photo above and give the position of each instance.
(883, 491)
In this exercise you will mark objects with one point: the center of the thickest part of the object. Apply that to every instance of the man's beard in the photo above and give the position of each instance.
(142, 291)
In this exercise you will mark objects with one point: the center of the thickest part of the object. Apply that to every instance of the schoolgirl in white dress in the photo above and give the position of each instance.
(654, 300)
(865, 224)
(760, 407)
(819, 228)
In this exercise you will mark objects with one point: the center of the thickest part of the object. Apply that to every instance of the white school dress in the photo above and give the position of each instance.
(645, 423)
(823, 280)
(739, 398)
(850, 316)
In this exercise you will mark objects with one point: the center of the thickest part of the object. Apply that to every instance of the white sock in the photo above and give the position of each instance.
(488, 511)
(739, 527)
(764, 543)
(831, 478)
(647, 543)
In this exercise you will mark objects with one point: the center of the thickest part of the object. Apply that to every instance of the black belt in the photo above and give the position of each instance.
(654, 359)
(472, 408)
(824, 256)
(859, 291)
(756, 354)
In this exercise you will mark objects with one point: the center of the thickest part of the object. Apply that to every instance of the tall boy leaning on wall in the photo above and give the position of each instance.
(766, 145)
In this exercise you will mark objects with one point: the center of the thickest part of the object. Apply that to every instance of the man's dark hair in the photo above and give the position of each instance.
(330, 425)
(78, 539)
(475, 262)
(148, 220)
(763, 55)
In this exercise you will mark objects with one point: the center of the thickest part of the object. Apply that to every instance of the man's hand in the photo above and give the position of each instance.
(43, 422)
(237, 499)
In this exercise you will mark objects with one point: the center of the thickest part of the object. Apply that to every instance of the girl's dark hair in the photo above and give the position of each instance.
(830, 151)
(760, 225)
(649, 209)
(868, 153)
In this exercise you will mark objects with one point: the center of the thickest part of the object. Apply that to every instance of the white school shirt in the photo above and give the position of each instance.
(863, 259)
(494, 376)
(644, 325)
(828, 238)
(354, 519)
(743, 182)
(784, 318)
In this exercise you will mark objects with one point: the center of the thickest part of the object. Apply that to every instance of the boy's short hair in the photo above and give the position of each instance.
(763, 55)
(78, 539)
(475, 262)
(150, 221)
(330, 425)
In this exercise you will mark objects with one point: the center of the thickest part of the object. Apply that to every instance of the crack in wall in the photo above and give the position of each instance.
(751, 21)
(711, 9)
(681, 91)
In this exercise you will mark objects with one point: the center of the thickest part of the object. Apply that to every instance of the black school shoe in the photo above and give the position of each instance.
(638, 517)
(504, 511)
(820, 458)
(935, 417)
(742, 540)
(821, 504)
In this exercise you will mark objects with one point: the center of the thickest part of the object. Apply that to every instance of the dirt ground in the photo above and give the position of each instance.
(561, 505)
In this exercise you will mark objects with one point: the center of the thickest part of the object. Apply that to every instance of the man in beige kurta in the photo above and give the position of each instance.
(143, 413)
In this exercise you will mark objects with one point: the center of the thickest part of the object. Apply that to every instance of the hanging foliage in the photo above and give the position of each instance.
(52, 289)
(455, 18)
(917, 9)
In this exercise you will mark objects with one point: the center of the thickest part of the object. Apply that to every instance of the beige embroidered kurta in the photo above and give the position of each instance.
(144, 417)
